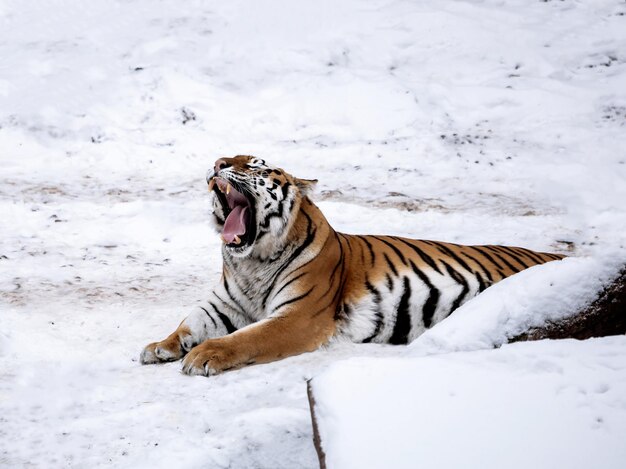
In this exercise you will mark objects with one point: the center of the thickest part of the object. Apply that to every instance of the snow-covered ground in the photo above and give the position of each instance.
(467, 121)
(541, 405)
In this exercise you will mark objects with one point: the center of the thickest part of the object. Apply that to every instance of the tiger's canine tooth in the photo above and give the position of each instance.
(223, 239)
(237, 240)
(228, 189)
(211, 184)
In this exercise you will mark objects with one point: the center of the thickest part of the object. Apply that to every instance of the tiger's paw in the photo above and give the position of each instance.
(209, 358)
(168, 350)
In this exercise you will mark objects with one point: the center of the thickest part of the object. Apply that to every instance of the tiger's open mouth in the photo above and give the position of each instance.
(238, 207)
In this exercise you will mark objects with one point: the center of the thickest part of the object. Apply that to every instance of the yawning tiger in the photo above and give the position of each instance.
(290, 282)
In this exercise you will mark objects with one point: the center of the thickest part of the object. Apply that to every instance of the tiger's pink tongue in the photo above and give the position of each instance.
(235, 224)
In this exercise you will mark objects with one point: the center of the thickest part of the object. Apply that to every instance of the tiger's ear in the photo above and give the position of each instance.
(306, 186)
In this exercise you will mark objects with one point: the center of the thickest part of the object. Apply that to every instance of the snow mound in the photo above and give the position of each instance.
(529, 299)
(543, 405)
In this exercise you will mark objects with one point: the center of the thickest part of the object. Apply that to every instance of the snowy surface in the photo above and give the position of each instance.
(535, 297)
(542, 405)
(471, 122)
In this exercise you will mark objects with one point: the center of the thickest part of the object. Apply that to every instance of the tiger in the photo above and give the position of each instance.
(291, 284)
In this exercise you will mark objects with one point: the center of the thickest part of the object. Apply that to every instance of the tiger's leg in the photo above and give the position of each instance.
(215, 319)
(262, 342)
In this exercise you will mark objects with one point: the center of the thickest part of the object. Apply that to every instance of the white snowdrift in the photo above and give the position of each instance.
(529, 299)
(542, 405)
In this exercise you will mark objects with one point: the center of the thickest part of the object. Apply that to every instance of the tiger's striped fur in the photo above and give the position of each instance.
(291, 283)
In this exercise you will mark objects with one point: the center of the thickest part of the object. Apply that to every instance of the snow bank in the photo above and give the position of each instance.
(531, 298)
(543, 405)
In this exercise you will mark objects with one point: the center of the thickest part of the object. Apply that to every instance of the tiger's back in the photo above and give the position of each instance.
(400, 287)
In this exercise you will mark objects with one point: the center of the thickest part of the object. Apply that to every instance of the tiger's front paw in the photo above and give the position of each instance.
(168, 350)
(210, 357)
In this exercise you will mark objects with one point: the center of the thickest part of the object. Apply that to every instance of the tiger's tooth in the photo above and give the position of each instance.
(211, 184)
(223, 239)
(237, 240)
(228, 189)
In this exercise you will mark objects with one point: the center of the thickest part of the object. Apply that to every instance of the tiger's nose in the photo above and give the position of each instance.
(221, 164)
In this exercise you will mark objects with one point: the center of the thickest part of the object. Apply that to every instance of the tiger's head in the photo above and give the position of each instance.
(254, 204)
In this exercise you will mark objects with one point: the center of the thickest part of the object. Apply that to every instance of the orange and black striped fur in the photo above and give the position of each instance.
(290, 283)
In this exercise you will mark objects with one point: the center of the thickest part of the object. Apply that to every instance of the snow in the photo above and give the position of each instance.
(543, 405)
(470, 122)
(559, 289)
